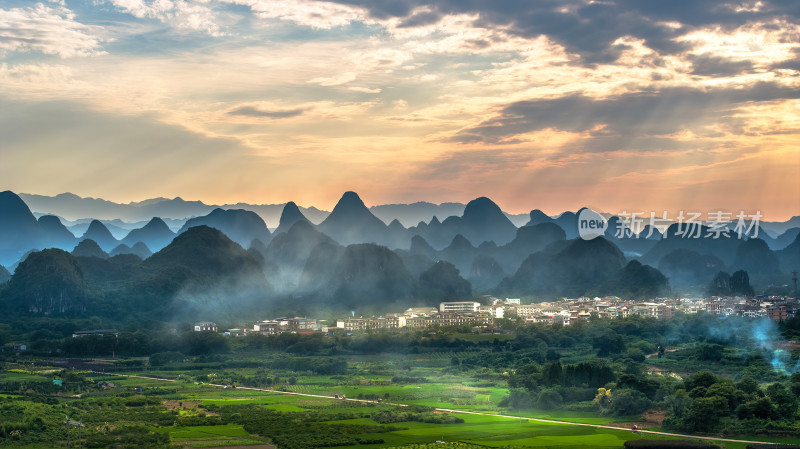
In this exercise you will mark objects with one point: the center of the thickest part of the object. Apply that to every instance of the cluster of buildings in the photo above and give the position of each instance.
(564, 312)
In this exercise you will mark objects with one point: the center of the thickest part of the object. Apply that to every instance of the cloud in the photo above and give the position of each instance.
(51, 30)
(159, 156)
(365, 90)
(632, 116)
(589, 29)
(314, 14)
(184, 15)
(718, 67)
(343, 78)
(250, 111)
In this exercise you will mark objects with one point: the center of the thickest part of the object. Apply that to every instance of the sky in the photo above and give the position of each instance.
(621, 105)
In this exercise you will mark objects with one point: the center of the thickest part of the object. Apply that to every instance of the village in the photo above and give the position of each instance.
(563, 312)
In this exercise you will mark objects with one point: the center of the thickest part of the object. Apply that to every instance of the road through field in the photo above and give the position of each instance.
(468, 412)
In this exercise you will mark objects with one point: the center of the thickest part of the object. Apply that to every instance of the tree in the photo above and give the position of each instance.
(603, 398)
(549, 399)
(608, 343)
(704, 413)
(785, 402)
(627, 402)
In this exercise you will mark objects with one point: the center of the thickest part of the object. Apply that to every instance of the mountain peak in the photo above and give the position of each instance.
(461, 242)
(240, 225)
(537, 216)
(98, 232)
(89, 248)
(352, 222)
(97, 226)
(155, 234)
(50, 220)
(11, 203)
(350, 202)
(481, 206)
(156, 223)
(291, 214)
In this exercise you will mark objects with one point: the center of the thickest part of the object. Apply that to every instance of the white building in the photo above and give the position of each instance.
(459, 306)
(206, 326)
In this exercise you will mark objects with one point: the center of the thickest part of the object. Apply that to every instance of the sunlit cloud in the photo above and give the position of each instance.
(48, 29)
(542, 102)
(192, 15)
(309, 13)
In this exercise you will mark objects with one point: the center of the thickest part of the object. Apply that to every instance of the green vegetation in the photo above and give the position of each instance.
(679, 375)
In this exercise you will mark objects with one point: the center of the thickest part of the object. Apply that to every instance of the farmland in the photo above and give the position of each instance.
(445, 389)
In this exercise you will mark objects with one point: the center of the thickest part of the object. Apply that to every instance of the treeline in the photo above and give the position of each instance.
(707, 403)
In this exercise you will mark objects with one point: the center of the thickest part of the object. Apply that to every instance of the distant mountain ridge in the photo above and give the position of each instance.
(73, 207)
(353, 259)
(80, 210)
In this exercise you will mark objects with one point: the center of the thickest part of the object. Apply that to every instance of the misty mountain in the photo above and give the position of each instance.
(485, 273)
(201, 271)
(289, 216)
(569, 269)
(271, 213)
(687, 268)
(630, 243)
(286, 256)
(780, 227)
(80, 228)
(351, 222)
(73, 207)
(411, 214)
(650, 233)
(537, 217)
(635, 281)
(785, 239)
(482, 221)
(528, 240)
(725, 284)
(419, 246)
(205, 252)
(19, 230)
(5, 275)
(110, 272)
(120, 249)
(789, 257)
(239, 225)
(101, 235)
(155, 234)
(319, 268)
(415, 263)
(754, 256)
(724, 248)
(49, 282)
(568, 221)
(89, 248)
(360, 276)
(139, 249)
(460, 253)
(443, 282)
(14, 266)
(256, 250)
(56, 235)
(397, 236)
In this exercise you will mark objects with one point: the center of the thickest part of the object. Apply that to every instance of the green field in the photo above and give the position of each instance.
(438, 390)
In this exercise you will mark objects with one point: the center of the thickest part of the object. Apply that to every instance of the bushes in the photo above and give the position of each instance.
(395, 416)
(668, 444)
(627, 402)
(549, 399)
(164, 358)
